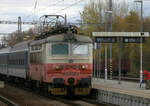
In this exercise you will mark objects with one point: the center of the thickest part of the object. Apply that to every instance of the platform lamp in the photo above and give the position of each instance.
(141, 30)
(106, 71)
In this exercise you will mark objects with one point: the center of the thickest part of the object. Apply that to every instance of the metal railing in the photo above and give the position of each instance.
(122, 99)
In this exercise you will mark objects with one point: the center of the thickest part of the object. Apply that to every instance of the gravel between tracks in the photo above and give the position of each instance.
(3, 104)
(24, 98)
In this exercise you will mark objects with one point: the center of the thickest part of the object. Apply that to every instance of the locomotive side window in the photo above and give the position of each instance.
(60, 49)
(36, 47)
(80, 49)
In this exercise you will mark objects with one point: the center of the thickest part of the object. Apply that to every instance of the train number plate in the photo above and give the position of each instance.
(71, 73)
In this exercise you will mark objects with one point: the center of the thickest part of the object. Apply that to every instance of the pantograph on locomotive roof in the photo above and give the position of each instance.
(55, 24)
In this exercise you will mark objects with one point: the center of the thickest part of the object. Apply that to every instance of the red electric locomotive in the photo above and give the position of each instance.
(64, 65)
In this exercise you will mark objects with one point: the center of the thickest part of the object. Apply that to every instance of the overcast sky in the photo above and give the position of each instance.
(31, 10)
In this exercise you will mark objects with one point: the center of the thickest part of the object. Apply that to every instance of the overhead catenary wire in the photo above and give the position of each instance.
(36, 11)
(35, 5)
(68, 6)
(77, 2)
(52, 5)
(33, 13)
(74, 17)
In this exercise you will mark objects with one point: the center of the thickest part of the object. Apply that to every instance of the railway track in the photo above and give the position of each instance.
(98, 103)
(68, 101)
(79, 101)
(76, 101)
(26, 98)
(7, 102)
(82, 101)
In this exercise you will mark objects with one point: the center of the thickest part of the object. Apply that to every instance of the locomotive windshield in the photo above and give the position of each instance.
(63, 49)
(60, 49)
(80, 49)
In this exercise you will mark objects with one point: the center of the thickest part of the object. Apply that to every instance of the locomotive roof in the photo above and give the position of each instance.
(23, 46)
(4, 50)
(60, 38)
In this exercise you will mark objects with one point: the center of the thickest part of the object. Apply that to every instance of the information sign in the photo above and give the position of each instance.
(105, 39)
(133, 39)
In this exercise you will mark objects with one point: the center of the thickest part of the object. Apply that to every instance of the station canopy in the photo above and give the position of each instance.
(120, 34)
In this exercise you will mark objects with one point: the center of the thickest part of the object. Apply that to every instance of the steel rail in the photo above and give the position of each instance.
(7, 101)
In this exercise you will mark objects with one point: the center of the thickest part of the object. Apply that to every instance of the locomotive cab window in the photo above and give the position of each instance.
(60, 49)
(80, 49)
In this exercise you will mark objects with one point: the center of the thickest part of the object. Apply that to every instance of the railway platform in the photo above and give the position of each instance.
(124, 94)
(1, 84)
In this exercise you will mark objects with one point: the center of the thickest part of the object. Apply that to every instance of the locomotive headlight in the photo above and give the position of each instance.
(82, 67)
(59, 67)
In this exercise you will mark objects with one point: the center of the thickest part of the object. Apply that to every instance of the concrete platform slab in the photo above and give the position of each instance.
(124, 94)
(131, 88)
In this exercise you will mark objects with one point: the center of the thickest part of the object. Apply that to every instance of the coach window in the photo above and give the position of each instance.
(40, 47)
(32, 48)
(22, 62)
(36, 47)
(60, 49)
(18, 62)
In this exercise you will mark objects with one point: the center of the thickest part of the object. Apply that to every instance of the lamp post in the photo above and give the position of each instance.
(141, 30)
(110, 29)
(106, 71)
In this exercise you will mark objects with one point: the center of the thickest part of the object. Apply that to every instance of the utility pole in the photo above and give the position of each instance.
(106, 71)
(65, 20)
(19, 29)
(141, 30)
(141, 76)
(19, 25)
(110, 30)
(119, 60)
